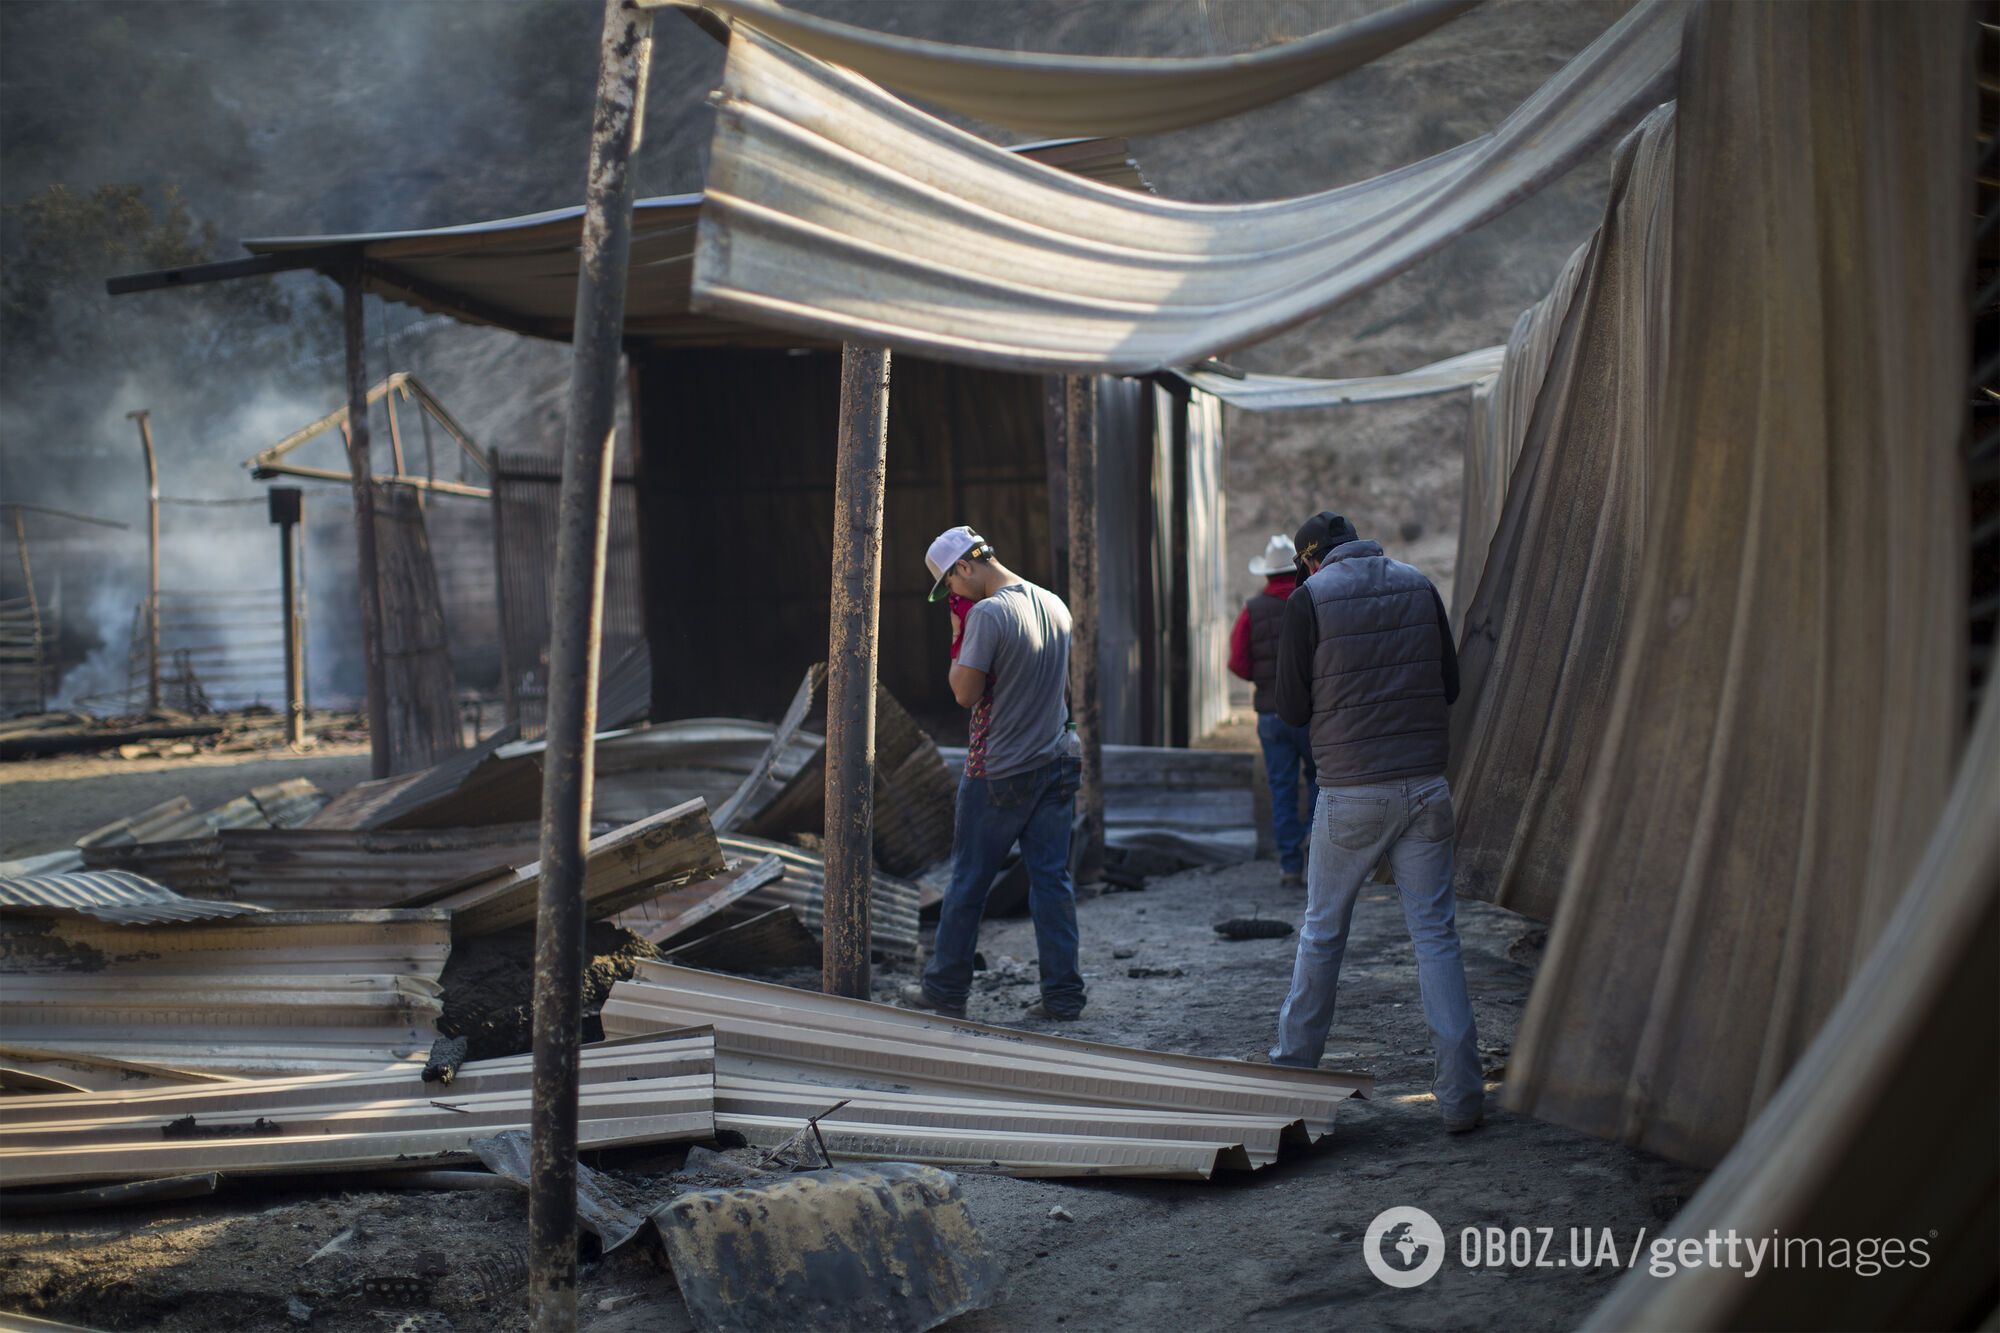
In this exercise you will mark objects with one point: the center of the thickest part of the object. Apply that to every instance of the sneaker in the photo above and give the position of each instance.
(1040, 1009)
(1292, 879)
(911, 995)
(1452, 1126)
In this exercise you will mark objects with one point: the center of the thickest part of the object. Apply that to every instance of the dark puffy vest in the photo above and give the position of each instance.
(1267, 626)
(1378, 712)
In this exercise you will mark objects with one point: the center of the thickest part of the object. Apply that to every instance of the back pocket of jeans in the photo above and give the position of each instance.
(1011, 793)
(1354, 822)
(1435, 822)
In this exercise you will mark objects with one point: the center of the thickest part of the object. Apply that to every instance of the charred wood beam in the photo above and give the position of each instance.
(860, 470)
(368, 573)
(577, 602)
(270, 470)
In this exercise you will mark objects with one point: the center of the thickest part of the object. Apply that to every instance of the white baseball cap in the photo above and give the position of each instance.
(952, 546)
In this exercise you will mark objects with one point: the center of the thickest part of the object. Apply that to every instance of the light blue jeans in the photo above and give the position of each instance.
(1353, 828)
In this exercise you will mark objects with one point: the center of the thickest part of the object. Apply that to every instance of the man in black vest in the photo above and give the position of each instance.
(1253, 656)
(1367, 665)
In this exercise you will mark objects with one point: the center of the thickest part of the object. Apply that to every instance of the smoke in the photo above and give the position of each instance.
(320, 117)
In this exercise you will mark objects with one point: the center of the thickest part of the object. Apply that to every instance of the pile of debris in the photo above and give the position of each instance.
(287, 984)
(165, 734)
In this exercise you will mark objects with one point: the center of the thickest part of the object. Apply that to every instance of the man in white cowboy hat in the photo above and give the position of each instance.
(1021, 774)
(1253, 655)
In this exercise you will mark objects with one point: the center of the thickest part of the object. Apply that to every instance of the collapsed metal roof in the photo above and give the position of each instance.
(520, 273)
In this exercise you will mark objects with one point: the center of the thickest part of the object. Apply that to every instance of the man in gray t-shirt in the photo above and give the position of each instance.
(1021, 774)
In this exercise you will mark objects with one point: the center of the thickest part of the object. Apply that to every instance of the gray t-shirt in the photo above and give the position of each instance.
(1019, 637)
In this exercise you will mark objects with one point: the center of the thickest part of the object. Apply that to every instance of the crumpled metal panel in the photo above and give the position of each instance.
(1068, 94)
(837, 210)
(1536, 655)
(880, 1247)
(1790, 688)
(110, 895)
(1291, 393)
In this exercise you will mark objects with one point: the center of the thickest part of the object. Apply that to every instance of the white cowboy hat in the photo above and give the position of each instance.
(1279, 557)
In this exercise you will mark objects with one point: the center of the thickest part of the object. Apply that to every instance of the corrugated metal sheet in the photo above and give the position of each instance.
(1789, 699)
(893, 903)
(1069, 94)
(1502, 409)
(947, 1090)
(520, 273)
(644, 1092)
(310, 867)
(767, 942)
(176, 845)
(476, 786)
(1537, 658)
(110, 895)
(1885, 1126)
(838, 211)
(622, 868)
(1290, 393)
(261, 993)
(704, 758)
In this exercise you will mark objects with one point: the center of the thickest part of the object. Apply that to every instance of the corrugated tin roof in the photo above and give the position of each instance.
(1083, 94)
(1289, 393)
(520, 273)
(110, 895)
(838, 211)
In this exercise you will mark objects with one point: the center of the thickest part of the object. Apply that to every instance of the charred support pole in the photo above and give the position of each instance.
(287, 507)
(145, 420)
(34, 614)
(850, 660)
(1080, 415)
(582, 520)
(361, 467)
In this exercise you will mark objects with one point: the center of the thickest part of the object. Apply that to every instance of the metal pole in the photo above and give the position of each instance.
(1081, 416)
(577, 609)
(287, 507)
(366, 575)
(34, 612)
(859, 470)
(305, 617)
(145, 420)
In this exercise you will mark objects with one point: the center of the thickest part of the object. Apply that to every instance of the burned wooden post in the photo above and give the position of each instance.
(34, 614)
(287, 507)
(1080, 414)
(577, 600)
(367, 574)
(145, 420)
(859, 474)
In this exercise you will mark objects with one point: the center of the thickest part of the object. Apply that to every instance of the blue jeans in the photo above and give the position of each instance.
(1035, 809)
(1352, 829)
(1286, 747)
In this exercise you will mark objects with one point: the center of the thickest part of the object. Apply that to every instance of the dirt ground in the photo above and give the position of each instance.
(1279, 1248)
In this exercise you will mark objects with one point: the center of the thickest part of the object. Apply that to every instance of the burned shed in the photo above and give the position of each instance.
(722, 526)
